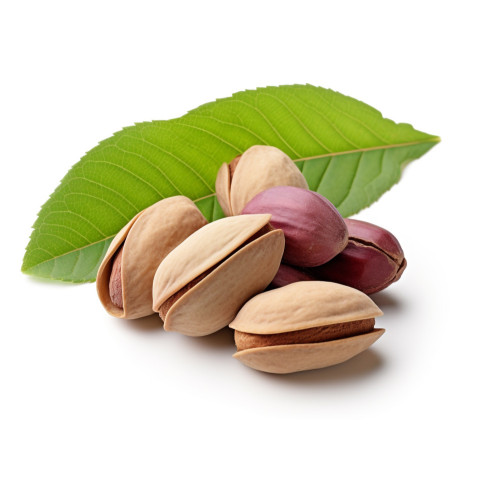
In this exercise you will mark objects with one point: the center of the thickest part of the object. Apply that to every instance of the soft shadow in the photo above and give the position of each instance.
(387, 302)
(219, 340)
(365, 364)
(53, 283)
(152, 323)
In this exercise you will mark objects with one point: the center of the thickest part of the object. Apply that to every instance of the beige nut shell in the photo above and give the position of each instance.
(259, 168)
(300, 306)
(202, 250)
(222, 189)
(213, 302)
(301, 357)
(146, 240)
(303, 305)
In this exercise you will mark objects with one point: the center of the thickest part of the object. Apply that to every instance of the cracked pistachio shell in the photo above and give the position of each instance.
(240, 271)
(300, 306)
(146, 240)
(258, 168)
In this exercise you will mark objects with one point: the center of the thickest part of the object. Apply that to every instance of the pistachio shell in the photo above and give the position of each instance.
(258, 168)
(303, 305)
(146, 240)
(202, 250)
(213, 302)
(222, 189)
(301, 357)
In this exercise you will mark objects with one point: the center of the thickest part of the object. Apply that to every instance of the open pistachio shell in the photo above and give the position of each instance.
(146, 240)
(213, 302)
(241, 269)
(258, 168)
(301, 357)
(303, 305)
(202, 250)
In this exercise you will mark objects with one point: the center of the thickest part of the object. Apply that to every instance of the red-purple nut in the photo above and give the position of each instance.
(286, 275)
(314, 230)
(372, 260)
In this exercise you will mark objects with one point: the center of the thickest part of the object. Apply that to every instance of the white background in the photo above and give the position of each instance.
(91, 401)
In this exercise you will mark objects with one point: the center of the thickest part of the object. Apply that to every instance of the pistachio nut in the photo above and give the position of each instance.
(372, 260)
(125, 276)
(314, 230)
(305, 325)
(288, 274)
(258, 168)
(200, 286)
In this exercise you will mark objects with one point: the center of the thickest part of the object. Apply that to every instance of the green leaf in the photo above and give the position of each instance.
(347, 151)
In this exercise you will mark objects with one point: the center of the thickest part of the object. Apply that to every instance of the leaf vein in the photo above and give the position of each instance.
(59, 237)
(367, 149)
(77, 215)
(231, 124)
(88, 195)
(305, 128)
(359, 122)
(323, 175)
(210, 133)
(126, 170)
(77, 259)
(267, 120)
(352, 181)
(328, 121)
(150, 163)
(180, 160)
(107, 188)
(70, 229)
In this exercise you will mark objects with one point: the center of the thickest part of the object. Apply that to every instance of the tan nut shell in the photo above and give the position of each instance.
(202, 250)
(299, 306)
(222, 188)
(303, 305)
(146, 240)
(259, 168)
(301, 357)
(213, 302)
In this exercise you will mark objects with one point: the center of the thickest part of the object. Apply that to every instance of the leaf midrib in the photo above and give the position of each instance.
(434, 139)
(373, 148)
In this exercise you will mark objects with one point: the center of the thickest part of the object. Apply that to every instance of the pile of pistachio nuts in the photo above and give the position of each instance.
(283, 268)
